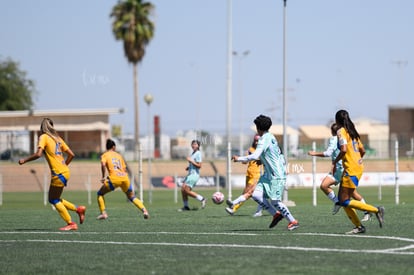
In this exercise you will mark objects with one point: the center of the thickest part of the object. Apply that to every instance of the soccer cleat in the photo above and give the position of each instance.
(146, 215)
(229, 203)
(229, 210)
(203, 203)
(103, 216)
(356, 230)
(293, 225)
(185, 208)
(257, 214)
(276, 219)
(367, 217)
(81, 212)
(336, 208)
(71, 226)
(380, 215)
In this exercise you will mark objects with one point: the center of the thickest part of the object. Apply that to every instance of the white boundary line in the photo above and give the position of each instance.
(394, 251)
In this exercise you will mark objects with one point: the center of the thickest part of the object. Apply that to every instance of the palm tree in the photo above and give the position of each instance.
(132, 25)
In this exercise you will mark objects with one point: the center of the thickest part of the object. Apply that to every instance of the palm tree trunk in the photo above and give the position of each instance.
(136, 112)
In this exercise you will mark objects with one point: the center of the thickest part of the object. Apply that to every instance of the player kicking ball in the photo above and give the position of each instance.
(272, 183)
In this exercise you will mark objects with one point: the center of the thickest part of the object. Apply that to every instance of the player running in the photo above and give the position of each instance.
(252, 176)
(334, 179)
(114, 163)
(53, 146)
(272, 183)
(351, 151)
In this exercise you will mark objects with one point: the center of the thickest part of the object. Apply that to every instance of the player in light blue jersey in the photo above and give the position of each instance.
(334, 179)
(193, 169)
(272, 183)
(331, 179)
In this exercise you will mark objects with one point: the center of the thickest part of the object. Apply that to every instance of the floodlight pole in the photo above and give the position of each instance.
(229, 89)
(148, 98)
(285, 147)
(241, 56)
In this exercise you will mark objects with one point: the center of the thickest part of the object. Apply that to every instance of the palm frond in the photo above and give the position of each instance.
(132, 24)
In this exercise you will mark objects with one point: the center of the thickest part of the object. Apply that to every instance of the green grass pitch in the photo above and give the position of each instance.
(205, 241)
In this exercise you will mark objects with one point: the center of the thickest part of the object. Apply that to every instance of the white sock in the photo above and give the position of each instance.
(283, 210)
(199, 197)
(258, 197)
(239, 200)
(333, 197)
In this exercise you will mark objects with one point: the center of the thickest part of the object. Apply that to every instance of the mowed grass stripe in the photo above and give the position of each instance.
(394, 251)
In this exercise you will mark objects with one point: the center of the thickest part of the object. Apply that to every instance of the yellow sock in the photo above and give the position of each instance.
(101, 203)
(63, 212)
(138, 203)
(237, 206)
(363, 206)
(68, 205)
(351, 213)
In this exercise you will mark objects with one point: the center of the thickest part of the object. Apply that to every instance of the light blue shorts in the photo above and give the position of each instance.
(337, 177)
(191, 179)
(271, 188)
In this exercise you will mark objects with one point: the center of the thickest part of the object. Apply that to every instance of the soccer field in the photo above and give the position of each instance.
(206, 241)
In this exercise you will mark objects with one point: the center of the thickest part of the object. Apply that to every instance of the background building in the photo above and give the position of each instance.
(85, 131)
(401, 122)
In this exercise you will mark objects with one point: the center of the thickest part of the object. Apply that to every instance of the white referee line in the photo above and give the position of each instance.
(393, 251)
(204, 233)
(238, 246)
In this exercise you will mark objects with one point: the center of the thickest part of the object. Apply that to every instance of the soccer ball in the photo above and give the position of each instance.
(217, 198)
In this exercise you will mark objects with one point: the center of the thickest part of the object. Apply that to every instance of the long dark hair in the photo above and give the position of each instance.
(342, 119)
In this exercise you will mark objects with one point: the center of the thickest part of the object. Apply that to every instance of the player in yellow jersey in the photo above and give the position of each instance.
(113, 163)
(333, 179)
(252, 177)
(53, 146)
(351, 153)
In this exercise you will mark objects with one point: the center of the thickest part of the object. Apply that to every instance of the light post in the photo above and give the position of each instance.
(229, 88)
(285, 141)
(148, 98)
(241, 57)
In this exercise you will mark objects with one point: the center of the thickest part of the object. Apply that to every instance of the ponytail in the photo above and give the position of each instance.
(342, 119)
(46, 127)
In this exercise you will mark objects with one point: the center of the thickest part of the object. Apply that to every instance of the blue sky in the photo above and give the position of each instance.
(340, 54)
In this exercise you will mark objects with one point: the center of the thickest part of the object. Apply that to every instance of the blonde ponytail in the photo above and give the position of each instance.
(46, 127)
